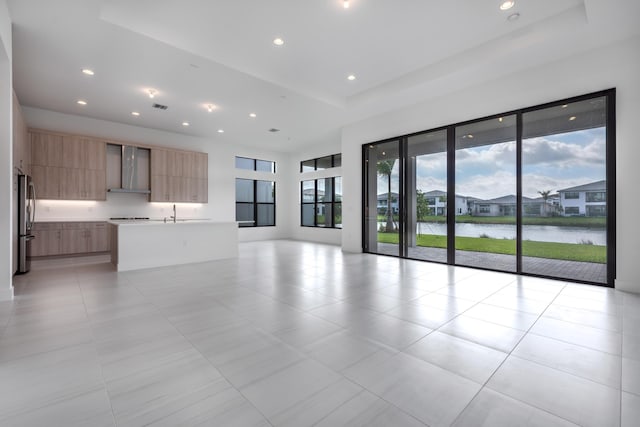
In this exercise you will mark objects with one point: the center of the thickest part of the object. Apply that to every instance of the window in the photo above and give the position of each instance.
(596, 196)
(572, 210)
(571, 195)
(321, 201)
(255, 164)
(321, 163)
(255, 203)
(598, 210)
(539, 213)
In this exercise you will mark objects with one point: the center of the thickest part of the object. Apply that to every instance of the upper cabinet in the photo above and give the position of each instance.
(68, 167)
(179, 176)
(46, 149)
(21, 143)
(79, 152)
(74, 167)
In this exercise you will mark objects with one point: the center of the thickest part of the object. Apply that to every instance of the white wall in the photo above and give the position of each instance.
(312, 234)
(283, 196)
(616, 66)
(222, 173)
(6, 156)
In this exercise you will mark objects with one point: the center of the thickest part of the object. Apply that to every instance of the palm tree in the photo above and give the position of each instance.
(385, 168)
(545, 196)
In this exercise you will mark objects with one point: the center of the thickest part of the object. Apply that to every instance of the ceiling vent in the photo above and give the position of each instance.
(274, 130)
(160, 106)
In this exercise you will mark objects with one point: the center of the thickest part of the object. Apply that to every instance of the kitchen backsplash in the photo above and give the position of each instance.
(117, 205)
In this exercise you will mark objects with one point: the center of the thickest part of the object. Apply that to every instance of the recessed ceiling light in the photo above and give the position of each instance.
(278, 41)
(88, 72)
(572, 118)
(345, 4)
(135, 113)
(500, 119)
(220, 130)
(565, 106)
(210, 107)
(351, 77)
(470, 136)
(152, 93)
(185, 124)
(81, 102)
(513, 17)
(252, 115)
(507, 4)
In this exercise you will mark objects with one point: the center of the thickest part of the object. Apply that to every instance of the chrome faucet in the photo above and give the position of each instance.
(174, 213)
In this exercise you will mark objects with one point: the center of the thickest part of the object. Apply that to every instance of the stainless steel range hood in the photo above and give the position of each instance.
(133, 165)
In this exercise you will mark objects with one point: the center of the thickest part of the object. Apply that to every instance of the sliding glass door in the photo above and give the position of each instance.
(382, 212)
(427, 198)
(485, 178)
(564, 191)
(530, 191)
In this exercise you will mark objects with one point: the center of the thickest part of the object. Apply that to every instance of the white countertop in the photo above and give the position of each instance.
(158, 222)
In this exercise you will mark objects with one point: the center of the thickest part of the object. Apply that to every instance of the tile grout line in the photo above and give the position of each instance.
(209, 361)
(484, 385)
(94, 343)
(454, 317)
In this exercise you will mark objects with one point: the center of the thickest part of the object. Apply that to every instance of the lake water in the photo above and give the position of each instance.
(539, 233)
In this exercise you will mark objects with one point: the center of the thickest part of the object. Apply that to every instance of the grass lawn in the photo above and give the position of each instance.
(564, 251)
(567, 221)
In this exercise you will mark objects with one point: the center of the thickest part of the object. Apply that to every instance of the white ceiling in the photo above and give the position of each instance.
(195, 52)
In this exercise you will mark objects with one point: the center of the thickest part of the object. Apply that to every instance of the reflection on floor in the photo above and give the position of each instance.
(572, 270)
(298, 334)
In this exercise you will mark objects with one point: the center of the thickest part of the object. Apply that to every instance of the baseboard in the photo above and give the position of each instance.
(628, 286)
(6, 293)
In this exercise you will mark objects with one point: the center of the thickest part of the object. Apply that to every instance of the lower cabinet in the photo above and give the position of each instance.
(66, 238)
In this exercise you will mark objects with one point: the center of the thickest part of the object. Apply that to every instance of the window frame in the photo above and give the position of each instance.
(255, 204)
(255, 164)
(575, 195)
(334, 163)
(316, 203)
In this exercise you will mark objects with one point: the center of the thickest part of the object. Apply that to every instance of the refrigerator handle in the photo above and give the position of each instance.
(33, 211)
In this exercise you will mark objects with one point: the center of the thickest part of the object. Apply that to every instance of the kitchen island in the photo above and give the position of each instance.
(147, 244)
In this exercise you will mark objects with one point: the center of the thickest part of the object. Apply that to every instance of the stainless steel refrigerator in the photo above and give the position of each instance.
(26, 218)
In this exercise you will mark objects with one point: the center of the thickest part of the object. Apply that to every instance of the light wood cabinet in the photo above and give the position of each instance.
(73, 241)
(21, 142)
(68, 167)
(179, 176)
(83, 184)
(83, 153)
(47, 181)
(73, 167)
(67, 238)
(46, 149)
(94, 185)
(98, 238)
(47, 238)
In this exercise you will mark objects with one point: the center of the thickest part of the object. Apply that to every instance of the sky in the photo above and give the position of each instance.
(550, 163)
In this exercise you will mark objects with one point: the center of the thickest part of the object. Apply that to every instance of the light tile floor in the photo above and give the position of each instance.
(300, 334)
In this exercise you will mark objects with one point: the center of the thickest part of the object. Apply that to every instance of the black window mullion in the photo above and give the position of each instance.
(610, 138)
(451, 195)
(402, 197)
(315, 199)
(255, 201)
(519, 205)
